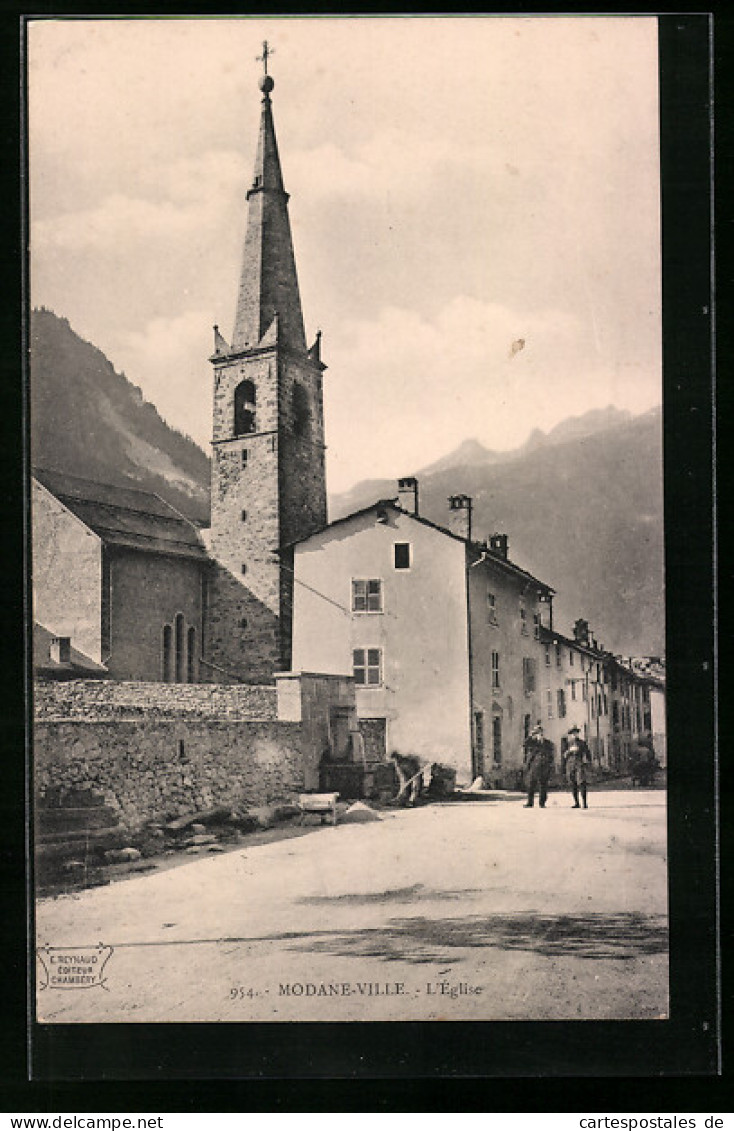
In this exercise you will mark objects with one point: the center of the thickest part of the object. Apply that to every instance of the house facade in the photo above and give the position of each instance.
(436, 630)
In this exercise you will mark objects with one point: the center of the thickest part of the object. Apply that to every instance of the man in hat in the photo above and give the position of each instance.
(537, 766)
(578, 757)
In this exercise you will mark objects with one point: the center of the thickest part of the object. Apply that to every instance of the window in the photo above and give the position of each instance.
(301, 409)
(491, 608)
(244, 408)
(244, 516)
(179, 646)
(244, 457)
(244, 567)
(573, 687)
(561, 703)
(366, 595)
(528, 675)
(536, 625)
(402, 555)
(496, 740)
(495, 671)
(523, 621)
(571, 660)
(584, 692)
(191, 656)
(547, 655)
(559, 656)
(367, 666)
(549, 702)
(167, 653)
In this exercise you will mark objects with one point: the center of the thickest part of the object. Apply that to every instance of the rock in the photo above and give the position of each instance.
(73, 867)
(122, 855)
(201, 839)
(215, 848)
(264, 816)
(286, 811)
(359, 813)
(193, 850)
(198, 828)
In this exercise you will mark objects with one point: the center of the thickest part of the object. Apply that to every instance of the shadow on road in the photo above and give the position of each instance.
(391, 895)
(595, 936)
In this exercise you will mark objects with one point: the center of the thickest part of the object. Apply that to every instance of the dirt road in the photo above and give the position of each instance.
(474, 910)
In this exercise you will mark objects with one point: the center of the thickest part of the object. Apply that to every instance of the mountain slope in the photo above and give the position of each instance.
(584, 514)
(88, 420)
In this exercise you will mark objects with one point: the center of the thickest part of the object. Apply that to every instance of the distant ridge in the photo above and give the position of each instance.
(90, 421)
(583, 509)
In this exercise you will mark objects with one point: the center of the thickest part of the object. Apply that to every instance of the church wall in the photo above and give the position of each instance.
(67, 574)
(241, 633)
(147, 591)
(302, 475)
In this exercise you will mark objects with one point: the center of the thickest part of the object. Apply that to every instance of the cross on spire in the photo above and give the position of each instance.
(267, 52)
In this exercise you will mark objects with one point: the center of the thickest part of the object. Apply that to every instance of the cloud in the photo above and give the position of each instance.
(190, 199)
(167, 358)
(402, 390)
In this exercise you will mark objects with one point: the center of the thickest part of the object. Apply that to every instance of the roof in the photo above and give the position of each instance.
(78, 666)
(124, 516)
(477, 547)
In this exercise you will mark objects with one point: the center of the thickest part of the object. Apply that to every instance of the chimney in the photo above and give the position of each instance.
(581, 632)
(498, 545)
(408, 494)
(60, 649)
(460, 507)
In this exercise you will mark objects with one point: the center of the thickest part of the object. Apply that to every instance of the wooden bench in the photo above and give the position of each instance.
(323, 804)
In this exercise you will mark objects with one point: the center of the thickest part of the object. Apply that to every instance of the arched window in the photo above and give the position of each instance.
(301, 410)
(179, 647)
(244, 408)
(167, 653)
(191, 655)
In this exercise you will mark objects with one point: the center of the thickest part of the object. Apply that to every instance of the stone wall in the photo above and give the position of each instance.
(154, 751)
(158, 770)
(92, 700)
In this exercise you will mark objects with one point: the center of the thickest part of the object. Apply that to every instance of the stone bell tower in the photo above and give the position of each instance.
(268, 479)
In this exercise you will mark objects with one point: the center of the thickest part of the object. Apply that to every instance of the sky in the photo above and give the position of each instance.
(474, 207)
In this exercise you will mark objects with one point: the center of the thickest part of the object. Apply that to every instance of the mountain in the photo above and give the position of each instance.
(89, 420)
(583, 508)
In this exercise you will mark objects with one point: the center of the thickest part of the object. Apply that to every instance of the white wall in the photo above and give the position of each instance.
(422, 629)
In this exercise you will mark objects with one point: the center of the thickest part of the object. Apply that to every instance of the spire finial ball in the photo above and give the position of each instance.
(266, 84)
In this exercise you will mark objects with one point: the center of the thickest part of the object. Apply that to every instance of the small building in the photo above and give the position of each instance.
(119, 575)
(438, 630)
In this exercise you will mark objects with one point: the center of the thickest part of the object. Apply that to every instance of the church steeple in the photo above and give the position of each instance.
(268, 475)
(268, 283)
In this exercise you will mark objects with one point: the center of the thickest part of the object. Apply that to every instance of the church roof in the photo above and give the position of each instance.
(268, 302)
(124, 516)
(477, 547)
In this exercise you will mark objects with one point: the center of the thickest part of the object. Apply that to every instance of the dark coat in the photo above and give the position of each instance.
(538, 763)
(578, 757)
